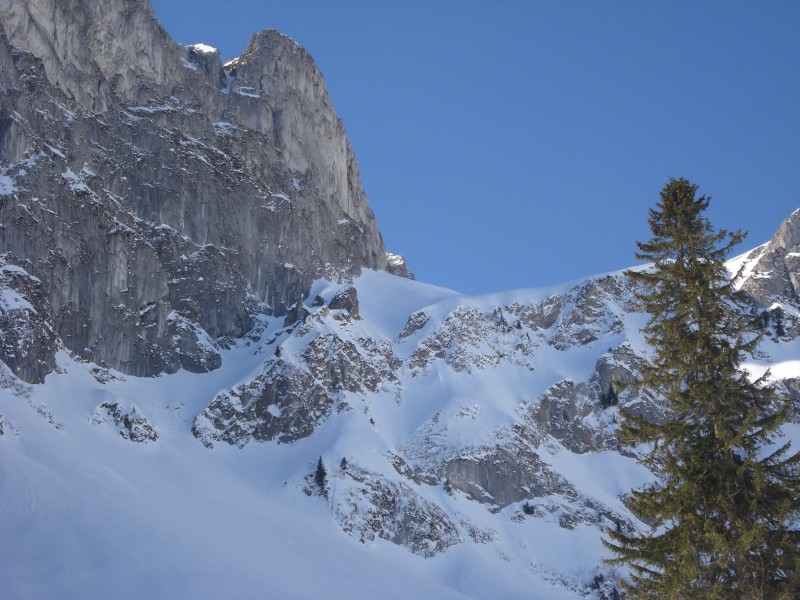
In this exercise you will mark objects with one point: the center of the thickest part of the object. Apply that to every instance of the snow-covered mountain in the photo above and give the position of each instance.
(468, 447)
(213, 385)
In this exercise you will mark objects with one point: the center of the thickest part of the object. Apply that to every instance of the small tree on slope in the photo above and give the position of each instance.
(321, 477)
(724, 517)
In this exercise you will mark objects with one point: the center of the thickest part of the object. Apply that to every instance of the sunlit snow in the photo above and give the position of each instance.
(88, 514)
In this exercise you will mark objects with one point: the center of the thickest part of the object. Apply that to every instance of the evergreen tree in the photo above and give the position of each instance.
(779, 329)
(609, 397)
(321, 476)
(724, 516)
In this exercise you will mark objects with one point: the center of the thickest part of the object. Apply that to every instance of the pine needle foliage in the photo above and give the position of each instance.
(724, 516)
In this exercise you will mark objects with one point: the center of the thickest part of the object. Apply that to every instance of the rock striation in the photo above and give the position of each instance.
(161, 198)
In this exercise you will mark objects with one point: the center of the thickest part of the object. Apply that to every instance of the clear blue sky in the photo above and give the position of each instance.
(508, 144)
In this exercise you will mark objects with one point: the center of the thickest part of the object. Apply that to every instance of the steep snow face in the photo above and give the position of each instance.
(467, 446)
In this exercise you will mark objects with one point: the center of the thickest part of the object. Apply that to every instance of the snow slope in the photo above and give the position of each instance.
(87, 513)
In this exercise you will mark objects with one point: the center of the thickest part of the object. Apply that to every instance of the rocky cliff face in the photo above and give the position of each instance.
(161, 198)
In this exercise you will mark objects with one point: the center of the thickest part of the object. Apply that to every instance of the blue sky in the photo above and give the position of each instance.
(514, 144)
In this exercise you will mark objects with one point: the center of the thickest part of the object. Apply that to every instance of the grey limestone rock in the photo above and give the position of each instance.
(346, 300)
(131, 424)
(367, 506)
(776, 274)
(501, 475)
(396, 265)
(562, 413)
(94, 50)
(591, 309)
(295, 313)
(162, 198)
(468, 339)
(27, 338)
(415, 323)
(300, 387)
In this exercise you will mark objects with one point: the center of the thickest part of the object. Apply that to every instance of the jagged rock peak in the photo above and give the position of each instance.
(774, 273)
(788, 234)
(269, 39)
(161, 198)
(302, 118)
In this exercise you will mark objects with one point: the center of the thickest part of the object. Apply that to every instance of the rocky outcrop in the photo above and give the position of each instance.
(347, 301)
(501, 475)
(775, 276)
(161, 198)
(368, 506)
(27, 338)
(591, 309)
(303, 383)
(396, 265)
(130, 423)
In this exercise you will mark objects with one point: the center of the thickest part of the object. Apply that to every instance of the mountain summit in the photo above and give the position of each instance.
(161, 199)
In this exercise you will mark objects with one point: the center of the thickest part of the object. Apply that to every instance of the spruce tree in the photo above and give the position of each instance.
(321, 477)
(724, 515)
